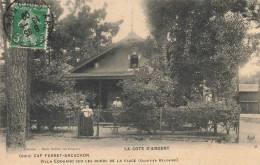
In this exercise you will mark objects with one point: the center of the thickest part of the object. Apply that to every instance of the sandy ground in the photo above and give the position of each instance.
(122, 150)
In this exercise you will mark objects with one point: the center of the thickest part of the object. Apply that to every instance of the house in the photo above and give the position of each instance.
(249, 98)
(102, 73)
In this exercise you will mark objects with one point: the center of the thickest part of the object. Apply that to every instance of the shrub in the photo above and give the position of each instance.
(54, 101)
(204, 115)
(55, 109)
(142, 95)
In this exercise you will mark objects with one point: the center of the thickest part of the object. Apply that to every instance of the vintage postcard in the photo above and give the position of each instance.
(130, 82)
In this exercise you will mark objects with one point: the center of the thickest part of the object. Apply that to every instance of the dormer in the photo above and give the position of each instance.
(134, 58)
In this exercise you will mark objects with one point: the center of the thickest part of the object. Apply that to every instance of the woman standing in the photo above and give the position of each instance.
(86, 121)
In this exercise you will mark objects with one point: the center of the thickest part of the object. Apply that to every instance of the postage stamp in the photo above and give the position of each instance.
(28, 25)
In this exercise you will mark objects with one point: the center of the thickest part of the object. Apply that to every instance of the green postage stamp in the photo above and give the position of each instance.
(30, 24)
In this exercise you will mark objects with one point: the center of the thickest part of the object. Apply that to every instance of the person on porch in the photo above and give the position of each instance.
(117, 103)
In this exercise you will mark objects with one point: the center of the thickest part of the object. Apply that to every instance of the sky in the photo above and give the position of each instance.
(250, 68)
(122, 10)
(253, 64)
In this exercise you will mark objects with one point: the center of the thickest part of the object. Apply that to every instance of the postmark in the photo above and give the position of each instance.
(28, 23)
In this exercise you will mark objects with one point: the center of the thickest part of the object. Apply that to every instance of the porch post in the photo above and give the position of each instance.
(99, 107)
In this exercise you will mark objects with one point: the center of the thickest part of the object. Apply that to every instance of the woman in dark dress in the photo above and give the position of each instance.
(86, 121)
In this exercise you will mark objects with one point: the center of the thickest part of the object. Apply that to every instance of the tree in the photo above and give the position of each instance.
(54, 98)
(17, 83)
(79, 35)
(82, 34)
(2, 98)
(17, 92)
(18, 95)
(39, 55)
(203, 40)
(143, 95)
(157, 60)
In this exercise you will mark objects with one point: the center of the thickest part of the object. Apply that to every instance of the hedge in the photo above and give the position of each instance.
(203, 115)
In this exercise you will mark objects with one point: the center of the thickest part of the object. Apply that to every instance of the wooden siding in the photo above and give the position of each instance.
(116, 61)
(249, 102)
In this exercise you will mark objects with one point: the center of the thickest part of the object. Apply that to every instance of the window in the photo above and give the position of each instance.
(134, 61)
(134, 58)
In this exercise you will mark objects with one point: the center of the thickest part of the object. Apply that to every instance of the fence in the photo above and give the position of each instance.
(167, 124)
(169, 128)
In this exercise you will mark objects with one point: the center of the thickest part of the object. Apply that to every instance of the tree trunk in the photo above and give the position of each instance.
(28, 111)
(227, 129)
(3, 39)
(215, 128)
(17, 93)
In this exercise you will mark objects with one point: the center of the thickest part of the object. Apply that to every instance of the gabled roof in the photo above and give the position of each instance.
(130, 37)
(248, 87)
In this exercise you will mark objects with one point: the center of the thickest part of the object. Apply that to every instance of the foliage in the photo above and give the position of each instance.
(83, 33)
(50, 77)
(56, 109)
(54, 98)
(203, 40)
(143, 94)
(78, 35)
(204, 115)
(157, 60)
(52, 95)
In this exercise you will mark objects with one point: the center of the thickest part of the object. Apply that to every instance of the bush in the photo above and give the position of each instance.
(55, 109)
(54, 101)
(145, 117)
(204, 115)
(143, 94)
